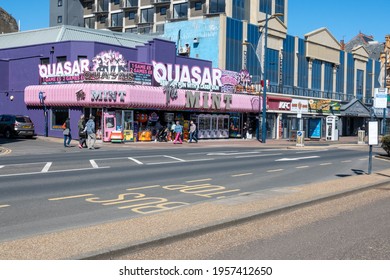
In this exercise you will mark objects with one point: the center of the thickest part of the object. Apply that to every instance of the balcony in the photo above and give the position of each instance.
(129, 4)
(99, 9)
(160, 2)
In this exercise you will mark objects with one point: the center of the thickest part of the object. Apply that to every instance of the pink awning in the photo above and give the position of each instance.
(127, 96)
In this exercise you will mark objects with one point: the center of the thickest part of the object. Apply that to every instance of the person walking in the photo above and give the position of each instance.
(82, 133)
(178, 131)
(244, 131)
(67, 134)
(90, 129)
(193, 132)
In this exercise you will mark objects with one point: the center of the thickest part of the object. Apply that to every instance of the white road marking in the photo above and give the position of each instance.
(230, 153)
(93, 163)
(175, 158)
(243, 174)
(264, 155)
(346, 161)
(325, 163)
(142, 188)
(135, 160)
(1, 166)
(199, 180)
(5, 205)
(274, 170)
(303, 166)
(69, 197)
(54, 171)
(293, 159)
(47, 167)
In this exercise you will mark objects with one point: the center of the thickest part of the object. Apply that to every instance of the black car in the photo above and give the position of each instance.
(16, 125)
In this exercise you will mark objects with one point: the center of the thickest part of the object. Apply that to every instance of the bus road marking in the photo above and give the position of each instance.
(70, 197)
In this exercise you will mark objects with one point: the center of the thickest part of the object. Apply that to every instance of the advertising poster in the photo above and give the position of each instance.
(315, 128)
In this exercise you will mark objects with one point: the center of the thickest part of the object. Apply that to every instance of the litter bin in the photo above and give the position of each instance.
(361, 136)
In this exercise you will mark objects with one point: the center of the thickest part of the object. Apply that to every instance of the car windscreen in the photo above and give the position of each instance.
(23, 119)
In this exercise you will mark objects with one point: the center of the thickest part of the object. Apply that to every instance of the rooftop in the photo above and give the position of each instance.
(72, 33)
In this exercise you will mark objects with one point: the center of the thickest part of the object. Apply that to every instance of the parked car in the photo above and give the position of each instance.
(16, 125)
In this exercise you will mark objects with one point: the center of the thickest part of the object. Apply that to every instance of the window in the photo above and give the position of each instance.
(131, 30)
(117, 19)
(279, 8)
(58, 117)
(61, 59)
(102, 19)
(89, 22)
(59, 3)
(116, 2)
(217, 6)
(163, 11)
(198, 6)
(59, 19)
(131, 15)
(180, 10)
(45, 61)
(147, 15)
(266, 6)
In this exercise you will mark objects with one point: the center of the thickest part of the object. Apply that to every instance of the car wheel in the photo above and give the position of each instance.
(8, 134)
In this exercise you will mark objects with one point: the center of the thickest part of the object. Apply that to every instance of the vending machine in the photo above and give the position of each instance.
(332, 130)
(109, 125)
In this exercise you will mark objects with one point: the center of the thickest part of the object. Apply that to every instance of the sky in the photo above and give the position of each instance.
(343, 18)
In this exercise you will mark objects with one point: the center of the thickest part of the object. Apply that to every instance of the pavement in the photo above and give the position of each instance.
(110, 240)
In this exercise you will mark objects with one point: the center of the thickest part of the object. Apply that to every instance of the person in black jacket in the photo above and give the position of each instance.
(67, 133)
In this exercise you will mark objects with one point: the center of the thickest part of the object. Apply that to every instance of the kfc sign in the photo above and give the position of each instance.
(286, 106)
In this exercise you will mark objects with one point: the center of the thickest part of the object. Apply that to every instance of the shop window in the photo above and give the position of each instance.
(58, 117)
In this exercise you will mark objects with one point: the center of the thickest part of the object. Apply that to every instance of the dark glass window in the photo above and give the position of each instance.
(163, 11)
(147, 15)
(131, 15)
(59, 3)
(279, 8)
(198, 6)
(59, 19)
(266, 6)
(58, 117)
(217, 6)
(180, 10)
(117, 19)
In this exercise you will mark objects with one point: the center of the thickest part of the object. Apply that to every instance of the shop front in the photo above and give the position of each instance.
(138, 113)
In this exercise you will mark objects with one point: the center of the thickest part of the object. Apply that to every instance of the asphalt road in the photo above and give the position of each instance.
(354, 227)
(45, 192)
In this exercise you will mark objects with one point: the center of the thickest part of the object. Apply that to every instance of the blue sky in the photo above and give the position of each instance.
(343, 18)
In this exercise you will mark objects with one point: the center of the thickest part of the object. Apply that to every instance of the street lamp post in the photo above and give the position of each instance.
(264, 111)
(263, 114)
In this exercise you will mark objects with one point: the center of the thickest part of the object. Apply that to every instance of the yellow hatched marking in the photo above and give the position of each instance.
(70, 197)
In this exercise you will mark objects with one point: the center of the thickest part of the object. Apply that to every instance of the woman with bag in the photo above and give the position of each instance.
(66, 132)
(82, 132)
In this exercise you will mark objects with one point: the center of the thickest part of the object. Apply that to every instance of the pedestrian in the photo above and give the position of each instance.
(193, 132)
(173, 126)
(67, 134)
(244, 130)
(82, 133)
(178, 131)
(90, 129)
